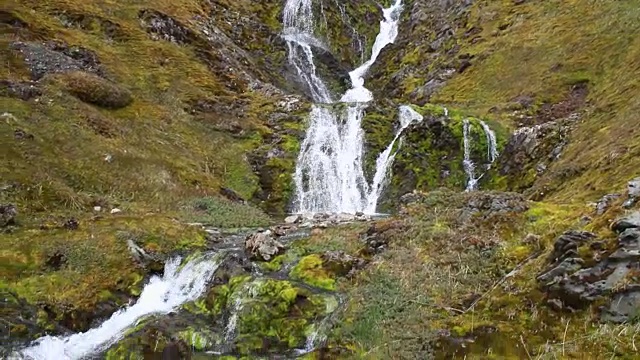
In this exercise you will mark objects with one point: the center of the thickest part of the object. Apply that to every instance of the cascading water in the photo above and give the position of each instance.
(385, 160)
(160, 296)
(492, 152)
(329, 176)
(298, 34)
(492, 144)
(467, 163)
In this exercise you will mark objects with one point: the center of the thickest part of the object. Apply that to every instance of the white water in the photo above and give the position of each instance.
(160, 296)
(298, 33)
(492, 144)
(492, 153)
(240, 297)
(385, 159)
(329, 176)
(467, 163)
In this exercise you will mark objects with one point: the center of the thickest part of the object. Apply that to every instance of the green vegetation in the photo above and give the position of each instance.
(223, 213)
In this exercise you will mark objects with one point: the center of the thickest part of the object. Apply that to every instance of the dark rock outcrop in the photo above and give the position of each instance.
(57, 57)
(24, 90)
(8, 214)
(571, 285)
(341, 263)
(631, 221)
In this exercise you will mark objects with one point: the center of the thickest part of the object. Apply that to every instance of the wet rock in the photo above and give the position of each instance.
(605, 202)
(232, 195)
(293, 219)
(341, 263)
(631, 221)
(26, 90)
(57, 57)
(262, 246)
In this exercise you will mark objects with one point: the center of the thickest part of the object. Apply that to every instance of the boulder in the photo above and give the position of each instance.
(568, 243)
(603, 204)
(341, 263)
(8, 215)
(631, 221)
(263, 246)
(293, 219)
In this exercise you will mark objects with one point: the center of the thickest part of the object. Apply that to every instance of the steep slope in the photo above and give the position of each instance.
(570, 65)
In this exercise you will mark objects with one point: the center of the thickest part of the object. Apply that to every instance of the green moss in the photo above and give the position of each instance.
(274, 265)
(310, 270)
(198, 340)
(279, 313)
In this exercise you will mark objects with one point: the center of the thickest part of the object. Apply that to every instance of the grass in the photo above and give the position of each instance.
(445, 279)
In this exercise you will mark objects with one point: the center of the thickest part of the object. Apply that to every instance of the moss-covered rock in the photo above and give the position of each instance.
(277, 316)
(310, 269)
(95, 90)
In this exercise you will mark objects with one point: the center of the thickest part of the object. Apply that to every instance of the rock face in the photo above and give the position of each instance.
(530, 151)
(570, 284)
(263, 246)
(633, 189)
(57, 57)
(631, 221)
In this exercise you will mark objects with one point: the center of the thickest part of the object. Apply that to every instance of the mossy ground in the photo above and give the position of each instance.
(453, 286)
(130, 142)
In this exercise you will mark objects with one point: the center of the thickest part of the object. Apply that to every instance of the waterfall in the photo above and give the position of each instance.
(385, 159)
(161, 295)
(298, 34)
(492, 144)
(329, 176)
(492, 152)
(467, 163)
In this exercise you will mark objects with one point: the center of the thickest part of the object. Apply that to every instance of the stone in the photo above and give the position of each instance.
(8, 214)
(57, 57)
(341, 263)
(633, 188)
(623, 307)
(566, 267)
(569, 241)
(631, 221)
(605, 202)
(97, 208)
(22, 90)
(115, 211)
(293, 219)
(262, 246)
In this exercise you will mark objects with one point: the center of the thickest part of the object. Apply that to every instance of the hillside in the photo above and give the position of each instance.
(133, 132)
